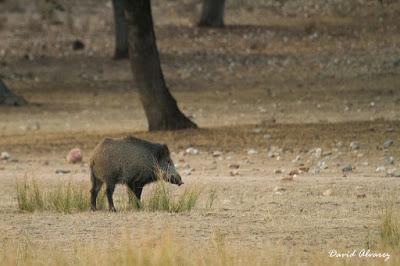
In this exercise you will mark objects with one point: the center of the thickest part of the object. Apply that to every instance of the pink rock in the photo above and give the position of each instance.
(74, 156)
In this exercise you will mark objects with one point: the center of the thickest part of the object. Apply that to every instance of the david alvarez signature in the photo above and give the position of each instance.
(363, 253)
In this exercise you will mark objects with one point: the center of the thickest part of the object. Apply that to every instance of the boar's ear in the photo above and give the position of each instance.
(163, 152)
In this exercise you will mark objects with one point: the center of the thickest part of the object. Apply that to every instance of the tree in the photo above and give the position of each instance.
(161, 108)
(121, 30)
(9, 98)
(212, 14)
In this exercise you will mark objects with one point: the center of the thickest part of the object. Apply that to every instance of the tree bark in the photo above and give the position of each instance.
(9, 98)
(121, 30)
(212, 14)
(161, 108)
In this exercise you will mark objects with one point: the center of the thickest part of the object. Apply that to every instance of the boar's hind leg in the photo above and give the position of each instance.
(94, 191)
(110, 191)
(137, 191)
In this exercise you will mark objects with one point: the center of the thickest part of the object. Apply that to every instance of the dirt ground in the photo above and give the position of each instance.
(284, 79)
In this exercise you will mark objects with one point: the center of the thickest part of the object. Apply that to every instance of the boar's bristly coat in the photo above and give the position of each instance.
(131, 161)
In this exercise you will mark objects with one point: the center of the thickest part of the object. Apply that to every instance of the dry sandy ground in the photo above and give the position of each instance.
(276, 81)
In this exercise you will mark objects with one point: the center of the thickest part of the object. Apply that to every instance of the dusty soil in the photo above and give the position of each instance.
(282, 78)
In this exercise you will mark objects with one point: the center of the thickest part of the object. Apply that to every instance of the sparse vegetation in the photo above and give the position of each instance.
(69, 197)
(390, 229)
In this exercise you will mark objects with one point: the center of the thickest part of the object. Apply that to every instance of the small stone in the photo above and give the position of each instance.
(257, 130)
(347, 168)
(252, 152)
(327, 193)
(217, 154)
(267, 136)
(287, 178)
(5, 156)
(61, 171)
(277, 171)
(78, 45)
(294, 172)
(234, 166)
(388, 143)
(389, 160)
(380, 169)
(395, 173)
(318, 152)
(74, 156)
(192, 151)
(304, 169)
(234, 172)
(361, 195)
(279, 189)
(297, 159)
(354, 145)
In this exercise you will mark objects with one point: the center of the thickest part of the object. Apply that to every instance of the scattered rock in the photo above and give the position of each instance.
(234, 166)
(297, 159)
(395, 173)
(317, 152)
(5, 156)
(288, 178)
(74, 155)
(252, 152)
(361, 195)
(304, 169)
(192, 151)
(388, 143)
(274, 152)
(78, 45)
(279, 189)
(61, 171)
(217, 154)
(257, 130)
(322, 165)
(267, 136)
(389, 160)
(294, 172)
(327, 193)
(354, 145)
(380, 169)
(234, 172)
(347, 168)
(277, 171)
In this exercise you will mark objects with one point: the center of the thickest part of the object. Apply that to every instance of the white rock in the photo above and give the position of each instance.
(74, 155)
(217, 153)
(354, 145)
(192, 151)
(252, 152)
(380, 169)
(5, 155)
(267, 136)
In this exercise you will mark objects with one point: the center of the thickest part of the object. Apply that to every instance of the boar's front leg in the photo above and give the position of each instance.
(109, 192)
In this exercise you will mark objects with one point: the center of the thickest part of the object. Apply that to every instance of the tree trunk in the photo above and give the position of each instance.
(9, 98)
(161, 109)
(212, 14)
(121, 30)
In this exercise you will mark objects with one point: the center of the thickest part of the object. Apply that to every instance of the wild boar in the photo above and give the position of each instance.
(131, 161)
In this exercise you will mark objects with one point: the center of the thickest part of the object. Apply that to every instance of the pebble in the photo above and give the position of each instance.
(388, 143)
(234, 172)
(327, 193)
(354, 145)
(395, 173)
(297, 159)
(192, 151)
(279, 189)
(347, 168)
(389, 160)
(78, 45)
(74, 155)
(277, 171)
(234, 166)
(252, 152)
(267, 136)
(217, 153)
(5, 155)
(61, 171)
(380, 169)
(287, 178)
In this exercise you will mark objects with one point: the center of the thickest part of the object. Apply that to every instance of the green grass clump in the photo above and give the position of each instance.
(160, 198)
(70, 197)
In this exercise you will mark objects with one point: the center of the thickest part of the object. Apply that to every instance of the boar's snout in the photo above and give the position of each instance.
(176, 180)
